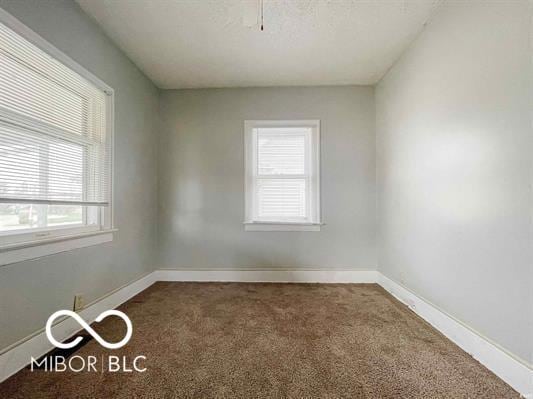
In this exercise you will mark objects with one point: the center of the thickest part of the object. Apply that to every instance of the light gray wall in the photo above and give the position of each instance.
(31, 291)
(202, 179)
(454, 155)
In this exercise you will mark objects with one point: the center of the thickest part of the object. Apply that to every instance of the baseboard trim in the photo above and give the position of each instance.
(269, 276)
(18, 355)
(515, 372)
(510, 369)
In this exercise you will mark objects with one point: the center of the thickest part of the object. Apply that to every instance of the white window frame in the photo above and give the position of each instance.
(312, 222)
(23, 244)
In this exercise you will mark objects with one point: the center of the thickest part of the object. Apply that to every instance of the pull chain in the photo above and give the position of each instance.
(262, 6)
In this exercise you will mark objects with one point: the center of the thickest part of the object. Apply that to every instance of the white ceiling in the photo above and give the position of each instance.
(218, 43)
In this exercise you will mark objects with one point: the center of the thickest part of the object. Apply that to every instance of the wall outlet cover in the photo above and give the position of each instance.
(78, 302)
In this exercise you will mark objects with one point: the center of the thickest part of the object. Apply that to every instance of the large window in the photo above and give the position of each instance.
(282, 175)
(55, 142)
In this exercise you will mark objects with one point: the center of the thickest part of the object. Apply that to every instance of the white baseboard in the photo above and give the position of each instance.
(18, 355)
(270, 276)
(510, 369)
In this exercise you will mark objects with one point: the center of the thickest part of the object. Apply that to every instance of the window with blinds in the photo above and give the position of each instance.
(55, 140)
(282, 173)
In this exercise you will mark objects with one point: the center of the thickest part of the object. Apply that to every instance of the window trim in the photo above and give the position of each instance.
(27, 250)
(56, 239)
(314, 177)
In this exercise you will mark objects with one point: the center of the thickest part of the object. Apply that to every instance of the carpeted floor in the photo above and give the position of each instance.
(206, 340)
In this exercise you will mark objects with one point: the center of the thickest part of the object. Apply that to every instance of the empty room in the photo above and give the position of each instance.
(266, 199)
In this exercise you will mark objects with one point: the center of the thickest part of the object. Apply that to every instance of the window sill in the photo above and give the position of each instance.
(274, 226)
(13, 253)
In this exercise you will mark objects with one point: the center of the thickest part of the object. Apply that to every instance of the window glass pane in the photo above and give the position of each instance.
(30, 216)
(281, 151)
(60, 215)
(281, 198)
(20, 216)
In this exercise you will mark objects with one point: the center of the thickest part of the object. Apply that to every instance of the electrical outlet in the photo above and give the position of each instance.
(78, 302)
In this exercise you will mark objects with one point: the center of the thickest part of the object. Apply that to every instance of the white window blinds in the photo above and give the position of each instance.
(54, 142)
(282, 177)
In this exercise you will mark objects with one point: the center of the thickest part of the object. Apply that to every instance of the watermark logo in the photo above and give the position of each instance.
(89, 329)
(89, 363)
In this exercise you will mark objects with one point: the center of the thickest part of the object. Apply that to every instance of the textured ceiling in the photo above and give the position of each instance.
(218, 43)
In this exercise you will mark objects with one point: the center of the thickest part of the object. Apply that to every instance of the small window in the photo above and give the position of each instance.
(282, 175)
(55, 143)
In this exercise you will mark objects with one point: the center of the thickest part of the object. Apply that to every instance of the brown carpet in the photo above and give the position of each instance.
(207, 340)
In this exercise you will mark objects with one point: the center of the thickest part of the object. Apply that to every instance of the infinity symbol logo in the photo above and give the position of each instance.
(88, 328)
